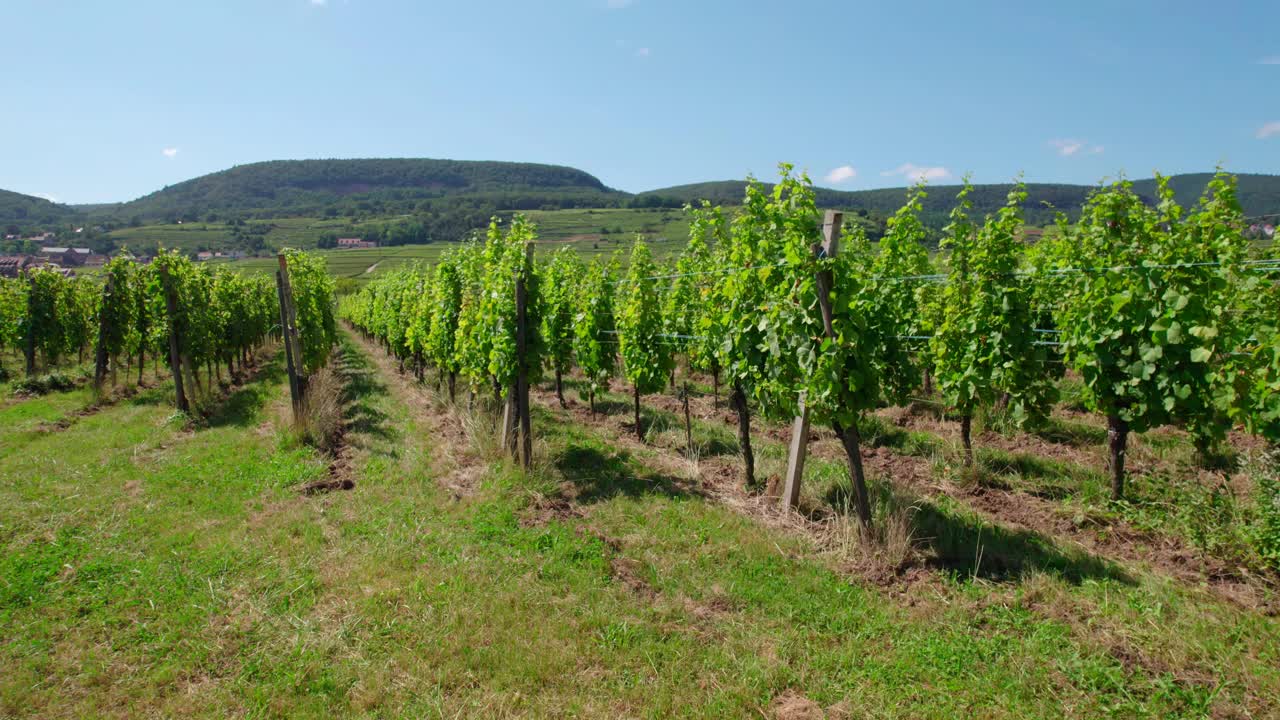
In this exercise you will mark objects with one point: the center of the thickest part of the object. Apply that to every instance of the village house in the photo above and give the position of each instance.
(204, 255)
(65, 256)
(11, 266)
(356, 243)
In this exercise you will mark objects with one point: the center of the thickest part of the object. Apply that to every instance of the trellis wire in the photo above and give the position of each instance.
(1265, 265)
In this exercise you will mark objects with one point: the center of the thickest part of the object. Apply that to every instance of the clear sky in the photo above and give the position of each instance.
(107, 100)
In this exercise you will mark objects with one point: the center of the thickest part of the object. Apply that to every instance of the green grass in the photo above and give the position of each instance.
(150, 569)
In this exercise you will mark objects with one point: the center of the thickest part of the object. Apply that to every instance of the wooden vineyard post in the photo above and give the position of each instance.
(100, 355)
(293, 336)
(29, 348)
(175, 356)
(510, 419)
(688, 426)
(800, 427)
(295, 391)
(522, 374)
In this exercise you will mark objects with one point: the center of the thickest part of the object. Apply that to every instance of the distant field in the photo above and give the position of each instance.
(361, 264)
(666, 231)
(593, 230)
(301, 232)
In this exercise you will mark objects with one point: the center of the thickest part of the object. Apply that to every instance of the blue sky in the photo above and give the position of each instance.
(109, 100)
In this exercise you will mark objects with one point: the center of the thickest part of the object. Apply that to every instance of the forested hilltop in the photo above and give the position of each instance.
(452, 195)
(1258, 194)
(310, 203)
(18, 211)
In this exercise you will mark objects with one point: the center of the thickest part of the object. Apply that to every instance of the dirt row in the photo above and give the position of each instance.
(1113, 540)
(719, 477)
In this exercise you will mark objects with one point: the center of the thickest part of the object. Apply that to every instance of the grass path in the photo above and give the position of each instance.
(151, 570)
(720, 616)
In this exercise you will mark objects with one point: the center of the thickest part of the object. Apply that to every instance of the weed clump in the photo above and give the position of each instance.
(321, 419)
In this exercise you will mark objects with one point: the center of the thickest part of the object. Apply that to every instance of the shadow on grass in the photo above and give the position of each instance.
(1066, 432)
(709, 438)
(970, 547)
(241, 408)
(876, 432)
(362, 388)
(1064, 479)
(600, 475)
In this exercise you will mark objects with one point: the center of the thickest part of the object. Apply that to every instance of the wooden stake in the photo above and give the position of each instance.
(292, 335)
(295, 391)
(522, 375)
(100, 359)
(175, 357)
(799, 448)
(30, 348)
(688, 426)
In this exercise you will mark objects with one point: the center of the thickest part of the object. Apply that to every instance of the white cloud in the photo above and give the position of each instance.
(841, 174)
(169, 152)
(642, 52)
(916, 173)
(611, 4)
(1067, 148)
(46, 196)
(1270, 60)
(1266, 131)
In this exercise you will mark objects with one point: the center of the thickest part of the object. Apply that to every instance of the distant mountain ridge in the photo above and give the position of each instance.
(311, 186)
(28, 211)
(1259, 194)
(450, 197)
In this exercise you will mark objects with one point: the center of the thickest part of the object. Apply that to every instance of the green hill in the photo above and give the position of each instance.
(25, 212)
(1259, 194)
(370, 187)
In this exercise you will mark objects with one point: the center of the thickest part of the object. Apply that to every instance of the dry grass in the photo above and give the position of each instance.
(321, 421)
(480, 428)
(890, 542)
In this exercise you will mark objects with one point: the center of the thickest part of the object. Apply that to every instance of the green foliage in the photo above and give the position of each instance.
(472, 344)
(420, 303)
(893, 304)
(219, 314)
(119, 305)
(462, 316)
(986, 343)
(507, 257)
(1146, 324)
(689, 310)
(446, 303)
(13, 309)
(560, 292)
(646, 356)
(1260, 194)
(594, 323)
(838, 376)
(751, 254)
(1264, 532)
(55, 316)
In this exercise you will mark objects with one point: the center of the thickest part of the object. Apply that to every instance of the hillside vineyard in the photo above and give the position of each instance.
(1168, 315)
(1056, 451)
